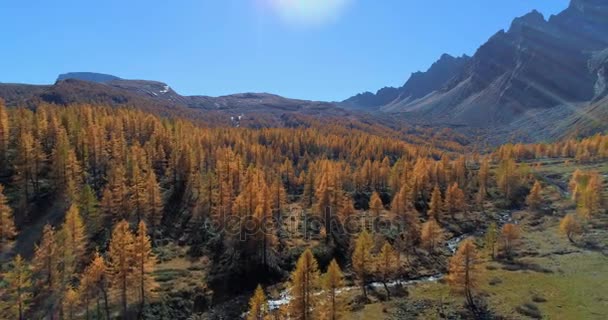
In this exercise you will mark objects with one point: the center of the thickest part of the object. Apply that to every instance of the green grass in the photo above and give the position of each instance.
(170, 275)
(370, 312)
(574, 285)
(561, 280)
(181, 274)
(576, 290)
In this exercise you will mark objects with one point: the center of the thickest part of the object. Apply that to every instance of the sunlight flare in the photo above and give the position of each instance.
(307, 12)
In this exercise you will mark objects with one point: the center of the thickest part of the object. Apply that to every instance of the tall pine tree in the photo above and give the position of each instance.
(362, 259)
(144, 261)
(333, 280)
(258, 305)
(303, 285)
(121, 263)
(464, 270)
(18, 291)
(7, 223)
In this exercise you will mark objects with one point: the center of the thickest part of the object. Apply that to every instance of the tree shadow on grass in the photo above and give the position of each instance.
(518, 265)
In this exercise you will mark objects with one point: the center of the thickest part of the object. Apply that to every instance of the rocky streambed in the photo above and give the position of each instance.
(452, 245)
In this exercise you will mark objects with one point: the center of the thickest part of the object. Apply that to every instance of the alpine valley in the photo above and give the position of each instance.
(476, 190)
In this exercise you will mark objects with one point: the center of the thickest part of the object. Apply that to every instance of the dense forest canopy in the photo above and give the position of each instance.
(91, 197)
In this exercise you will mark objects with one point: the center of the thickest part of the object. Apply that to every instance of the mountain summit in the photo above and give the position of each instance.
(88, 76)
(554, 64)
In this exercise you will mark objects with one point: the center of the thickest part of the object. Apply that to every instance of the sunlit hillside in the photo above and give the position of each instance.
(110, 212)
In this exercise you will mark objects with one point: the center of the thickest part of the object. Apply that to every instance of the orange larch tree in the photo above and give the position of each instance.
(144, 261)
(431, 235)
(303, 284)
(73, 242)
(18, 292)
(4, 135)
(510, 234)
(375, 204)
(121, 263)
(7, 222)
(534, 199)
(435, 206)
(94, 285)
(258, 305)
(570, 227)
(387, 266)
(464, 270)
(333, 280)
(362, 259)
(454, 200)
(46, 260)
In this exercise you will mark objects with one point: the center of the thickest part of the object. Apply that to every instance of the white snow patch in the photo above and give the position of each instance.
(165, 89)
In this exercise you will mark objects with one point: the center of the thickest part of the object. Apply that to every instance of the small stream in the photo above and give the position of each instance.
(284, 297)
(452, 245)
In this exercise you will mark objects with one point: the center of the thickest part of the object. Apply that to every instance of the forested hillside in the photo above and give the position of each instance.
(124, 213)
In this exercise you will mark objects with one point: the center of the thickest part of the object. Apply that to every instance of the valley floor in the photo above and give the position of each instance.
(551, 278)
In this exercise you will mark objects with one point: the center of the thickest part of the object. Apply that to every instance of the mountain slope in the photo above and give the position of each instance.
(245, 109)
(251, 110)
(116, 91)
(418, 85)
(535, 65)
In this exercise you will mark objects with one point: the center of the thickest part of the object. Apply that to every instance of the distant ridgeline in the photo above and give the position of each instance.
(88, 76)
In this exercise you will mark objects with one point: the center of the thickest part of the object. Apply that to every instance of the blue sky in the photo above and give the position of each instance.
(320, 49)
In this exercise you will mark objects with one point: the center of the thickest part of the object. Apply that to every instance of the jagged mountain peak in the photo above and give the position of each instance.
(419, 84)
(531, 19)
(445, 57)
(536, 64)
(445, 60)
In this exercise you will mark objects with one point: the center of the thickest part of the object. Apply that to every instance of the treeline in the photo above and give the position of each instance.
(586, 150)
